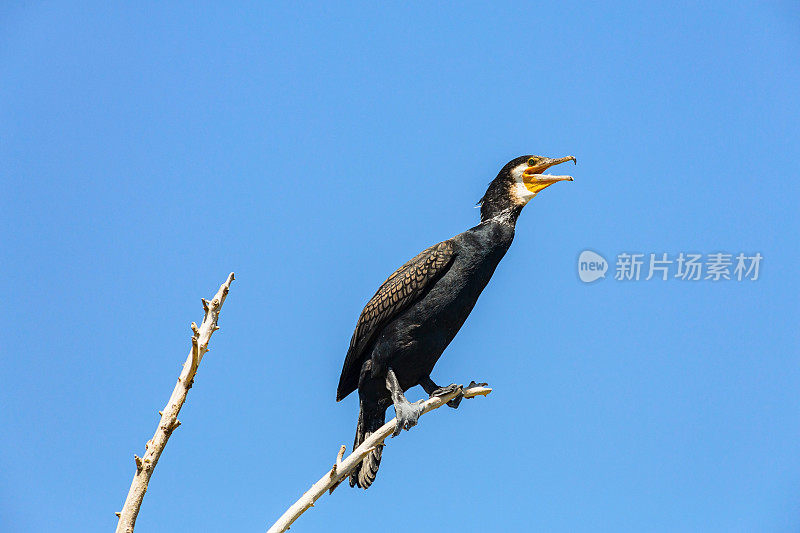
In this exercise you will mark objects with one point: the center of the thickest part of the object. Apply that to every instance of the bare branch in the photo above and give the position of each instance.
(169, 416)
(342, 468)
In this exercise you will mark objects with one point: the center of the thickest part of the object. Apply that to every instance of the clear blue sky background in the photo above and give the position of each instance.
(147, 151)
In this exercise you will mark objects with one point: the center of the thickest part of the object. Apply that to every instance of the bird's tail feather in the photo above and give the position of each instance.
(364, 474)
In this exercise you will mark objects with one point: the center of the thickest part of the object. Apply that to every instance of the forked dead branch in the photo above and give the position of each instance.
(169, 416)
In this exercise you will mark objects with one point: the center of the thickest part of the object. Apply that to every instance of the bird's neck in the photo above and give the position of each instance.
(497, 233)
(505, 215)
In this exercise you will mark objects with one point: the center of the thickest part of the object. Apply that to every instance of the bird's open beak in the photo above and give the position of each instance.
(535, 181)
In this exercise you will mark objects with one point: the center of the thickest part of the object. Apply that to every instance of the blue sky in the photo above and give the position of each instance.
(149, 150)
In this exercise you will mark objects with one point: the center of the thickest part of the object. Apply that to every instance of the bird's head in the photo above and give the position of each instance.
(518, 182)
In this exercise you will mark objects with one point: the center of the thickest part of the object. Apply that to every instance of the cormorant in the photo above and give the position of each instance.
(408, 323)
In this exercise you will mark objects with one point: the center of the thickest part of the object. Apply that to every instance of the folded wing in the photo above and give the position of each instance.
(404, 287)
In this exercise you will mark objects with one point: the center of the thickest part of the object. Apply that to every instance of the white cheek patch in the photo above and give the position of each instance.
(519, 190)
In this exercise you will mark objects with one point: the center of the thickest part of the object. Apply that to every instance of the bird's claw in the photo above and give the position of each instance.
(407, 416)
(455, 402)
(444, 391)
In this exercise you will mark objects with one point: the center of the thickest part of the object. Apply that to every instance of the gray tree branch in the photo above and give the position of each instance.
(342, 468)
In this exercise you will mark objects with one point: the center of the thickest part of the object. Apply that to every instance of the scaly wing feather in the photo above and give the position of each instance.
(405, 286)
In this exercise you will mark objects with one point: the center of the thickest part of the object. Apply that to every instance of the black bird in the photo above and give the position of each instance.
(418, 310)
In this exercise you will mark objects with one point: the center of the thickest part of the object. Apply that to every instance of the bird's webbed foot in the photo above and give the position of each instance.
(455, 402)
(444, 391)
(407, 413)
(435, 390)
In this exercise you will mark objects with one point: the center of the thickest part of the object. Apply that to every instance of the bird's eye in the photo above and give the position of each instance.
(531, 161)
